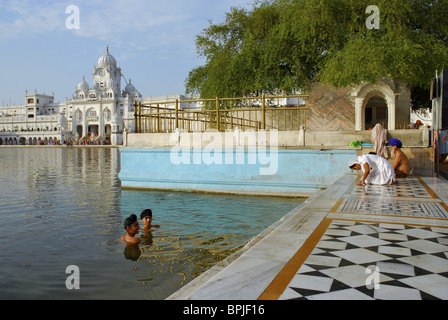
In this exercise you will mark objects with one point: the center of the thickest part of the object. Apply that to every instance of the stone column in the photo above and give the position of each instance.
(391, 106)
(101, 121)
(359, 114)
(85, 127)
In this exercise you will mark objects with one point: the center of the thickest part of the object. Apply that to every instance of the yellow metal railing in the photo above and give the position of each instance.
(221, 114)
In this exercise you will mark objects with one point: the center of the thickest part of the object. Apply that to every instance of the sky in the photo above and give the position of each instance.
(49, 45)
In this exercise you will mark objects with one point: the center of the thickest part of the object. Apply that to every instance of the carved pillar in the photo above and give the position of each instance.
(391, 109)
(359, 114)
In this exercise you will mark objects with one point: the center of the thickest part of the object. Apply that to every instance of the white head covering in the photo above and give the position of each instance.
(353, 161)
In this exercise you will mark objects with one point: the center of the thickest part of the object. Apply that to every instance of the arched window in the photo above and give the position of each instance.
(78, 115)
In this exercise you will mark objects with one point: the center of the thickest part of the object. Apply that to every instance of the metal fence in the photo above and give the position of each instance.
(249, 113)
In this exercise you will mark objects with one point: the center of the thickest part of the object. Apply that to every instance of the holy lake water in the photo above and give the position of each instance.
(62, 207)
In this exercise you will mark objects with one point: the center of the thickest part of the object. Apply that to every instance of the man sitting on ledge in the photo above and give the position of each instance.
(401, 162)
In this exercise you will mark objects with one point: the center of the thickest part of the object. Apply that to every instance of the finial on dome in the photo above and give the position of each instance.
(107, 48)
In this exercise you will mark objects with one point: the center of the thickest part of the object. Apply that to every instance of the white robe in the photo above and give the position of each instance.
(381, 170)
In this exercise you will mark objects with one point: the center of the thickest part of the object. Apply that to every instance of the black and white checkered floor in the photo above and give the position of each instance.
(355, 258)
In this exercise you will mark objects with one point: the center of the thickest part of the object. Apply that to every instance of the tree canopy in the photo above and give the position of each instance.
(284, 45)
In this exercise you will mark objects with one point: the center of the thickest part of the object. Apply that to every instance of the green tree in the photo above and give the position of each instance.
(232, 68)
(284, 45)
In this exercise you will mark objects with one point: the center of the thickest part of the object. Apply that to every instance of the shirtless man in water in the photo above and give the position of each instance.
(146, 217)
(132, 228)
(401, 161)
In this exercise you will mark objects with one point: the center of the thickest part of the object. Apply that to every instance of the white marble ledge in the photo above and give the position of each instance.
(245, 280)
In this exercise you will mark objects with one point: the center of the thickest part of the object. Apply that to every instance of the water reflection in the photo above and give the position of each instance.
(132, 252)
(147, 237)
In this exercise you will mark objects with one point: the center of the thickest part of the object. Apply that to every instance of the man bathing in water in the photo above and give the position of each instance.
(132, 229)
(146, 217)
(401, 162)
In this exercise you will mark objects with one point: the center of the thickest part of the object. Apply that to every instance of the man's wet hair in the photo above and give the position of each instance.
(129, 220)
(146, 212)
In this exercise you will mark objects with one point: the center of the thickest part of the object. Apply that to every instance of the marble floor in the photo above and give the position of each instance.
(364, 250)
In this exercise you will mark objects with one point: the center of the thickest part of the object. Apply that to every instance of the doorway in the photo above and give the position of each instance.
(376, 112)
(93, 129)
(79, 131)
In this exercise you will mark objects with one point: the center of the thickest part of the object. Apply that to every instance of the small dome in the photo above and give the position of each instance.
(107, 60)
(83, 85)
(130, 87)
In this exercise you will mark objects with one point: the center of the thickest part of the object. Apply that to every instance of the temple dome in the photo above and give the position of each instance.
(83, 85)
(130, 87)
(107, 60)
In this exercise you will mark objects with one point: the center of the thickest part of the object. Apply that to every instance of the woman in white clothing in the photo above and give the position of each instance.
(376, 169)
